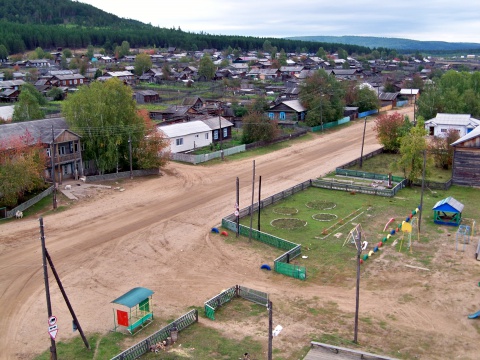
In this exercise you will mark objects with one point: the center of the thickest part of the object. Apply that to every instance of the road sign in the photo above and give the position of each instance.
(52, 320)
(52, 330)
(52, 326)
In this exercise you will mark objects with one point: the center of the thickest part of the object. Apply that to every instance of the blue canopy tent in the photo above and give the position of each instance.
(448, 212)
(140, 313)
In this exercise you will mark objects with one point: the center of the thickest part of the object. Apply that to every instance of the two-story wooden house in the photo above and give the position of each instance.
(57, 140)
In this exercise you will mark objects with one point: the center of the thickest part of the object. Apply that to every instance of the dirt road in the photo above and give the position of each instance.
(156, 234)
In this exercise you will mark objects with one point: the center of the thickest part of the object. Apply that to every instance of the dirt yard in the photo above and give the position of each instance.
(156, 234)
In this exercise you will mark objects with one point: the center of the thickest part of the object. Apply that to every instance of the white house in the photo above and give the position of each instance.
(462, 123)
(187, 136)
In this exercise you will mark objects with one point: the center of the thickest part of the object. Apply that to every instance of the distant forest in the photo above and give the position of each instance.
(50, 24)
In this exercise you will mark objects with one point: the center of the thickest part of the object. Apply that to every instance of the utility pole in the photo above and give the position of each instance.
(251, 207)
(423, 188)
(358, 243)
(54, 182)
(237, 208)
(130, 154)
(53, 348)
(221, 135)
(270, 329)
(70, 308)
(259, 197)
(363, 140)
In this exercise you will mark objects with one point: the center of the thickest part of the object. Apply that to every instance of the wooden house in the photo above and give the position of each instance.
(288, 110)
(146, 96)
(221, 128)
(466, 159)
(68, 156)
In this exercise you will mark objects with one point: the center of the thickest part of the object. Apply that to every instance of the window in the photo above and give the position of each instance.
(61, 150)
(71, 147)
(271, 116)
(443, 130)
(206, 136)
(179, 141)
(48, 152)
(215, 135)
(75, 147)
(225, 133)
(282, 116)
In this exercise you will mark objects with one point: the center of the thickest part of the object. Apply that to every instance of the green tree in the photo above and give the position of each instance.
(143, 62)
(89, 53)
(441, 149)
(104, 114)
(282, 58)
(412, 146)
(67, 53)
(321, 53)
(206, 67)
(39, 53)
(258, 127)
(55, 93)
(342, 53)
(166, 72)
(98, 73)
(28, 105)
(363, 97)
(3, 53)
(323, 96)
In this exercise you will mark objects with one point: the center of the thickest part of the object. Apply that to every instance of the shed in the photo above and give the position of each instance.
(448, 212)
(140, 312)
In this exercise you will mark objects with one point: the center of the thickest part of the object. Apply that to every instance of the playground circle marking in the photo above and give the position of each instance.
(285, 211)
(321, 205)
(324, 217)
(288, 223)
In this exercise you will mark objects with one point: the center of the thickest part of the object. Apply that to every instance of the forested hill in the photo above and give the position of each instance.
(50, 24)
(391, 43)
(54, 12)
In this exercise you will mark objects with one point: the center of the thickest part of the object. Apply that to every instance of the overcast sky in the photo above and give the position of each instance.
(440, 20)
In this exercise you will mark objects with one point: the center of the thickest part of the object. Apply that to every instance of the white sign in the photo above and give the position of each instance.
(237, 213)
(52, 326)
(52, 330)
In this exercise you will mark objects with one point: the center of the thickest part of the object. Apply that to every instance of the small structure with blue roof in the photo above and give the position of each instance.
(140, 312)
(448, 212)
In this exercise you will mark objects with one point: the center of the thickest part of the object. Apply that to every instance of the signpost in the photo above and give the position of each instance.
(52, 326)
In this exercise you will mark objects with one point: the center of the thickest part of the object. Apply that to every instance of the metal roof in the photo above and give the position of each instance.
(454, 119)
(409, 91)
(449, 204)
(214, 124)
(133, 297)
(40, 130)
(295, 105)
(183, 129)
(472, 134)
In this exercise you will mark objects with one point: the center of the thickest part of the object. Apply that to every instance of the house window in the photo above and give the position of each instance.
(206, 136)
(75, 145)
(48, 152)
(215, 135)
(225, 133)
(282, 116)
(443, 130)
(61, 150)
(271, 116)
(71, 147)
(179, 141)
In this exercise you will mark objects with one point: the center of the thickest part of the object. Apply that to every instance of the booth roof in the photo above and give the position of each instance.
(449, 204)
(133, 297)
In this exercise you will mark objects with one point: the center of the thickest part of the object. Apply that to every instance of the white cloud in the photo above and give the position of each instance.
(439, 20)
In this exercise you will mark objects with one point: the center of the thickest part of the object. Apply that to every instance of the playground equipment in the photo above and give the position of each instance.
(139, 304)
(462, 236)
(474, 315)
(448, 212)
(406, 226)
(354, 235)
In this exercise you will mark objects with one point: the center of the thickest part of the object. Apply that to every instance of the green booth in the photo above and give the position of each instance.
(133, 310)
(448, 212)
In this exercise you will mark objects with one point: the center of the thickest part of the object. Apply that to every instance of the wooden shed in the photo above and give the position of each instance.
(448, 212)
(466, 159)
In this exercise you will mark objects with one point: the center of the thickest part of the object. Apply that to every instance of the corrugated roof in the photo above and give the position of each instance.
(133, 297)
(295, 105)
(41, 130)
(454, 119)
(183, 129)
(472, 134)
(456, 205)
(409, 91)
(214, 124)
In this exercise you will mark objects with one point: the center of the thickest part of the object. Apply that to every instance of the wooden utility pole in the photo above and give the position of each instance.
(130, 155)
(358, 243)
(221, 135)
(53, 348)
(363, 141)
(423, 189)
(251, 207)
(54, 181)
(259, 197)
(270, 329)
(65, 297)
(237, 207)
